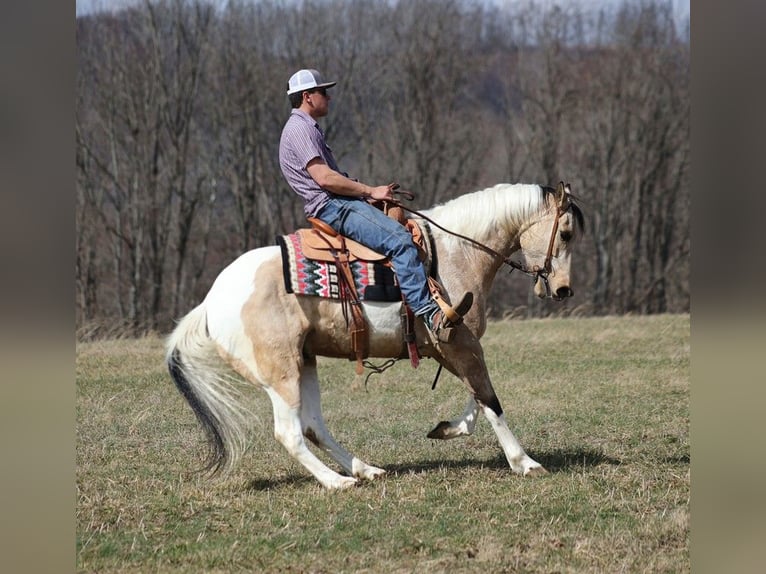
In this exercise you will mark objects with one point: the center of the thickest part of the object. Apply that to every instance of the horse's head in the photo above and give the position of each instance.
(546, 245)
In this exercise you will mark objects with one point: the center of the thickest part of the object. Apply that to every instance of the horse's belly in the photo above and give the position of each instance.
(331, 337)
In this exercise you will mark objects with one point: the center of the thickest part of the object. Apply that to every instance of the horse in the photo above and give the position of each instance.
(250, 331)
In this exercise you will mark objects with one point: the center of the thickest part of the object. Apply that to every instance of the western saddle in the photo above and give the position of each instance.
(322, 243)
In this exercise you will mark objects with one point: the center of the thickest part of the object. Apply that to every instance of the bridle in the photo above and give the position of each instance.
(536, 272)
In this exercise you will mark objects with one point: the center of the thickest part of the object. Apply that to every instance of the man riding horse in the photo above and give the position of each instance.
(329, 195)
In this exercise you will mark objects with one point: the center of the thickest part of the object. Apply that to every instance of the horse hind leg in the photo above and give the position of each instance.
(287, 430)
(280, 377)
(286, 406)
(464, 425)
(314, 428)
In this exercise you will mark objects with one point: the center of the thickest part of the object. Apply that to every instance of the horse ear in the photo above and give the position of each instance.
(562, 196)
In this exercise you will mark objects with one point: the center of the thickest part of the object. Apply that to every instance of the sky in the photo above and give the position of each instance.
(680, 7)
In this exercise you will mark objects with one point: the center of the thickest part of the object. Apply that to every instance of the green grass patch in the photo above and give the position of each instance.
(603, 403)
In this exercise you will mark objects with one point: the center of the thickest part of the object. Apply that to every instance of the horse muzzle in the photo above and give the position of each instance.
(562, 293)
(543, 290)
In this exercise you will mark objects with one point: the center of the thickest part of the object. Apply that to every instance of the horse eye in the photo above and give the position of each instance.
(566, 235)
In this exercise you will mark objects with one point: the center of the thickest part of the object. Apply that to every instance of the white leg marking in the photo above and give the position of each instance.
(287, 430)
(314, 428)
(518, 459)
(464, 425)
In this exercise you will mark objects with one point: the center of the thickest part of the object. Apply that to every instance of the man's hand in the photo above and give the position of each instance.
(382, 192)
(338, 183)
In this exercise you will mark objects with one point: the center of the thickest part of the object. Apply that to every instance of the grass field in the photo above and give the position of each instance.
(603, 403)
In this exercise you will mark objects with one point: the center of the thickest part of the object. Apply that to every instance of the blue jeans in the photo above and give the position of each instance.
(371, 227)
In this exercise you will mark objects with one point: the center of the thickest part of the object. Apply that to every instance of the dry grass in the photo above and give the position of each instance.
(603, 403)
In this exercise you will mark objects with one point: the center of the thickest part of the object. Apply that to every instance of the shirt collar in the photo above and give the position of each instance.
(304, 116)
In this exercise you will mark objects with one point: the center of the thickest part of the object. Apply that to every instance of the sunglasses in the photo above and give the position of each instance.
(322, 91)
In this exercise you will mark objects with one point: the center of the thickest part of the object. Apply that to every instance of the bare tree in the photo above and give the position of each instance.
(246, 117)
(634, 121)
(180, 104)
(427, 133)
(141, 152)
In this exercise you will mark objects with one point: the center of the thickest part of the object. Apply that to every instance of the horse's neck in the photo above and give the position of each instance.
(494, 218)
(463, 265)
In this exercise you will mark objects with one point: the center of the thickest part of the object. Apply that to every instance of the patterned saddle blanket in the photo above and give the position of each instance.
(304, 276)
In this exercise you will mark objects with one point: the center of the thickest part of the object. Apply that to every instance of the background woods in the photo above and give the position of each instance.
(179, 107)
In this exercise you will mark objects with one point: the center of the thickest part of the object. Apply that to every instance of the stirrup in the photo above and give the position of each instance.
(447, 318)
(454, 315)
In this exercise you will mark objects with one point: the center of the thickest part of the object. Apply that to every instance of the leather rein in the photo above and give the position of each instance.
(536, 272)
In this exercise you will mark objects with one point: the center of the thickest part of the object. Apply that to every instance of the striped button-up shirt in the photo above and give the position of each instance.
(303, 140)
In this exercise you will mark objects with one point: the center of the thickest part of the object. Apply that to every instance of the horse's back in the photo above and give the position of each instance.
(249, 302)
(253, 280)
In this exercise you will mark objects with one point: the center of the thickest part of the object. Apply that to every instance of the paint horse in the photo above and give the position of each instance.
(250, 331)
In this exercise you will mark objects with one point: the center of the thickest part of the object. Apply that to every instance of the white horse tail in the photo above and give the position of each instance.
(196, 369)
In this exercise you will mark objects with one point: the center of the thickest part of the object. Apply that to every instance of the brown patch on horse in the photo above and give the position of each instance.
(276, 350)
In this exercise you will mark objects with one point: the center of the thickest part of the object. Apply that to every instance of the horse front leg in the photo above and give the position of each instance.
(463, 425)
(466, 360)
(519, 460)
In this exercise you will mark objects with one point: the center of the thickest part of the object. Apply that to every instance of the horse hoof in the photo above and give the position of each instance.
(440, 431)
(368, 472)
(374, 473)
(535, 471)
(342, 483)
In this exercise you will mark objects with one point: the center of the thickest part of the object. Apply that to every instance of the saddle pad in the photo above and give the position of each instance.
(303, 276)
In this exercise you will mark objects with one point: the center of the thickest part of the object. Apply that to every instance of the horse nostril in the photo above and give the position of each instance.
(563, 292)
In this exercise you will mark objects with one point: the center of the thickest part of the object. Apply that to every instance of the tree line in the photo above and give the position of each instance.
(180, 105)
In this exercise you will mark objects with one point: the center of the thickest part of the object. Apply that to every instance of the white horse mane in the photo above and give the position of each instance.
(483, 214)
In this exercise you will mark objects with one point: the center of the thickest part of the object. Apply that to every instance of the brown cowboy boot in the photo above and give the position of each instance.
(443, 320)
